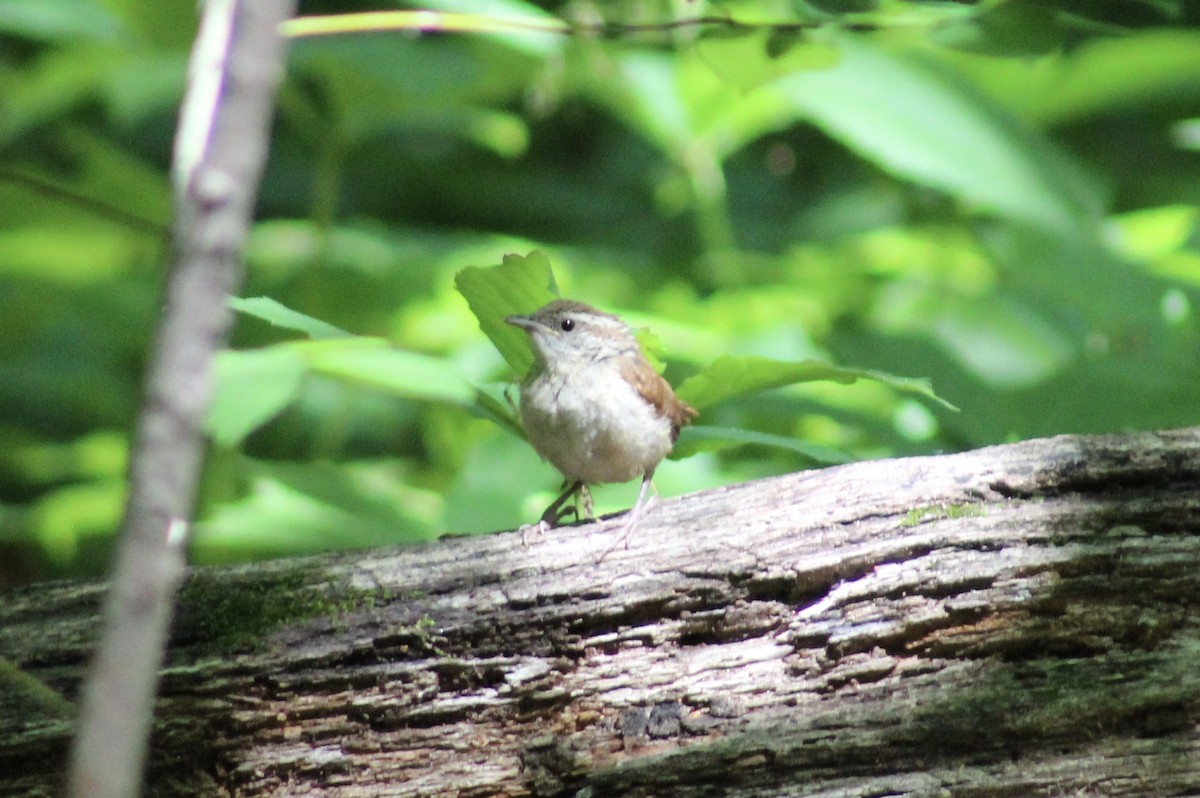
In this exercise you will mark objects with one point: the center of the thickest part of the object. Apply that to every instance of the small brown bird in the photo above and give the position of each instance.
(593, 405)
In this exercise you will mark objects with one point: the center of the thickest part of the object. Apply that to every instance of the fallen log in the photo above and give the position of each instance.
(1017, 620)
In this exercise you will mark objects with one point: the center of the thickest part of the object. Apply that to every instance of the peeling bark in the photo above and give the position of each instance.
(1017, 620)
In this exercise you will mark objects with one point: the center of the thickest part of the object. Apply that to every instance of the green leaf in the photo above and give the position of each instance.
(1016, 27)
(1110, 76)
(65, 520)
(731, 376)
(375, 363)
(1003, 342)
(322, 506)
(920, 123)
(57, 20)
(253, 386)
(696, 439)
(52, 252)
(274, 313)
(758, 56)
(521, 284)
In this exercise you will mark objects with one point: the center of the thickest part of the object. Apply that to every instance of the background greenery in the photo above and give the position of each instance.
(999, 195)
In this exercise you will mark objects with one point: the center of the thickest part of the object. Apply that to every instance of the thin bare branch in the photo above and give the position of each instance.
(221, 171)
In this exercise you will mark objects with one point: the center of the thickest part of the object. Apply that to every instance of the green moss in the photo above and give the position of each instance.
(940, 511)
(227, 611)
(26, 698)
(1151, 694)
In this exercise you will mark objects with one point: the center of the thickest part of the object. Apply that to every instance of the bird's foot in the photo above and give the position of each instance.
(536, 530)
(556, 516)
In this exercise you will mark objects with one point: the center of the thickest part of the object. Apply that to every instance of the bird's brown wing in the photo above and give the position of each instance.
(657, 391)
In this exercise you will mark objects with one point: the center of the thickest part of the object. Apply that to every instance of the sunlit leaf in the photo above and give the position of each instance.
(503, 133)
(732, 376)
(521, 284)
(1007, 345)
(374, 363)
(1017, 27)
(57, 20)
(277, 314)
(63, 521)
(53, 252)
(920, 123)
(1110, 75)
(94, 456)
(761, 55)
(655, 102)
(322, 506)
(253, 386)
(695, 439)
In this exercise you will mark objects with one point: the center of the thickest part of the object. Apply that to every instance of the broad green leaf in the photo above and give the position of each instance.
(1153, 233)
(274, 313)
(253, 386)
(322, 506)
(375, 363)
(654, 104)
(731, 376)
(695, 439)
(1003, 342)
(503, 133)
(651, 346)
(370, 85)
(921, 124)
(1111, 75)
(157, 26)
(93, 456)
(758, 56)
(50, 87)
(66, 520)
(1016, 27)
(52, 252)
(142, 86)
(125, 181)
(521, 284)
(57, 20)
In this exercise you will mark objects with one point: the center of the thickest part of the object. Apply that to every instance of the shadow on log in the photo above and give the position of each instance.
(1017, 620)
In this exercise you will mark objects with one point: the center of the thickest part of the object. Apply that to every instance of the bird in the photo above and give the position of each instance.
(593, 405)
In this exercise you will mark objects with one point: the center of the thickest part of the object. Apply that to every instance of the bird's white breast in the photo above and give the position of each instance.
(593, 426)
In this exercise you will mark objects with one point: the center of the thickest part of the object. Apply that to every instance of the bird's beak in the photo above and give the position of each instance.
(525, 322)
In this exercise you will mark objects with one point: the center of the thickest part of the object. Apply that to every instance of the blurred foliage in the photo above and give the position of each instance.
(1000, 196)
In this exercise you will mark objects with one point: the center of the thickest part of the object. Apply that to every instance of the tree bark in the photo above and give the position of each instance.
(1017, 620)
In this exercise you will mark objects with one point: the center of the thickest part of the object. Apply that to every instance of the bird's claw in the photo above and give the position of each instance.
(540, 528)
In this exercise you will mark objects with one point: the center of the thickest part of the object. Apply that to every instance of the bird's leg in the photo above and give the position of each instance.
(639, 508)
(635, 515)
(554, 513)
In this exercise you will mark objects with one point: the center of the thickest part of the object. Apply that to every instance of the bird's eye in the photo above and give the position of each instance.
(567, 325)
